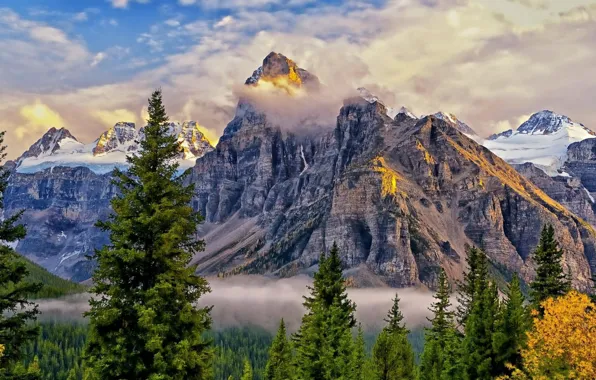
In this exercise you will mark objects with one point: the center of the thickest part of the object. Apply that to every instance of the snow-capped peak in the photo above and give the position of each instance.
(407, 112)
(547, 122)
(52, 141)
(367, 95)
(110, 150)
(456, 123)
(542, 140)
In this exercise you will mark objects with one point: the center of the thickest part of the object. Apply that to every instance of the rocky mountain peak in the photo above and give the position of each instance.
(506, 133)
(120, 137)
(192, 140)
(548, 122)
(281, 71)
(53, 140)
(452, 120)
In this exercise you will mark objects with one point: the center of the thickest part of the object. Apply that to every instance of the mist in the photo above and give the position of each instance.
(260, 301)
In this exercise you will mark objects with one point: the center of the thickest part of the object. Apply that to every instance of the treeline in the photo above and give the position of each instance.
(144, 323)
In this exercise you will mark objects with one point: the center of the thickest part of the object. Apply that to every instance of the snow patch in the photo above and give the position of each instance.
(303, 160)
(589, 195)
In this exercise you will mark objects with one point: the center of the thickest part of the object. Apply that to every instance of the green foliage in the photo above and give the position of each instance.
(16, 311)
(280, 365)
(513, 324)
(551, 280)
(143, 322)
(59, 348)
(360, 364)
(395, 319)
(477, 269)
(233, 345)
(440, 336)
(53, 286)
(247, 372)
(324, 341)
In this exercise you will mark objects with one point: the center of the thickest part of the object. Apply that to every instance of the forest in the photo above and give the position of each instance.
(143, 321)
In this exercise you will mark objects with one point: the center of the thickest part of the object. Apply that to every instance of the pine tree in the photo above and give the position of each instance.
(143, 322)
(16, 311)
(551, 280)
(512, 326)
(322, 342)
(359, 362)
(477, 268)
(434, 356)
(280, 362)
(478, 353)
(393, 356)
(395, 319)
(247, 372)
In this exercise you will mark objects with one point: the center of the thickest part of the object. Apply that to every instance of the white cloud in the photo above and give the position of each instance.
(122, 4)
(172, 22)
(227, 20)
(98, 58)
(81, 16)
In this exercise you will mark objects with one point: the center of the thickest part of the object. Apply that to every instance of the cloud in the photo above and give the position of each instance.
(172, 22)
(109, 118)
(81, 16)
(98, 58)
(123, 4)
(227, 20)
(37, 118)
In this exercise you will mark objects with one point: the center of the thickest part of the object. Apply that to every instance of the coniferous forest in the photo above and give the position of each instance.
(143, 321)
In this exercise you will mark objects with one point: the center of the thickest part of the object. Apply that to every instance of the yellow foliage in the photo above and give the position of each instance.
(562, 344)
(389, 177)
(1, 349)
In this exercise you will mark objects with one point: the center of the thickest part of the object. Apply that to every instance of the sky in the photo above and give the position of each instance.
(87, 64)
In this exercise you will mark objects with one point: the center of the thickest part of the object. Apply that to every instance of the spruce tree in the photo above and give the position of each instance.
(512, 326)
(395, 319)
(16, 311)
(393, 356)
(477, 268)
(280, 363)
(551, 280)
(478, 354)
(143, 320)
(359, 360)
(247, 372)
(439, 334)
(322, 342)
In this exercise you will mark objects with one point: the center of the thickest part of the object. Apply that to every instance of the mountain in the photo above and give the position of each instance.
(60, 148)
(542, 140)
(457, 124)
(401, 196)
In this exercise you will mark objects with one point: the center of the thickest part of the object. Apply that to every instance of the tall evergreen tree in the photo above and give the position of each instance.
(247, 372)
(359, 361)
(439, 335)
(478, 354)
(280, 362)
(513, 324)
(143, 322)
(477, 269)
(395, 319)
(393, 356)
(551, 280)
(322, 340)
(16, 311)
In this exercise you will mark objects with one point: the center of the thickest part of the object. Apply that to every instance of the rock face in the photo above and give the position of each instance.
(120, 137)
(402, 197)
(456, 123)
(506, 133)
(61, 207)
(566, 190)
(581, 162)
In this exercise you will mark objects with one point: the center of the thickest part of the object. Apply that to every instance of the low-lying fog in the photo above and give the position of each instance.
(260, 301)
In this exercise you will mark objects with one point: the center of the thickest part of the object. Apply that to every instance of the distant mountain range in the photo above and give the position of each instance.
(401, 195)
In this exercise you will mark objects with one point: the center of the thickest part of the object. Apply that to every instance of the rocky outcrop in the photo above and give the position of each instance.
(505, 134)
(120, 137)
(581, 163)
(61, 207)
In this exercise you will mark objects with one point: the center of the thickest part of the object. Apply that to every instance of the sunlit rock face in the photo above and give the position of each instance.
(281, 71)
(120, 137)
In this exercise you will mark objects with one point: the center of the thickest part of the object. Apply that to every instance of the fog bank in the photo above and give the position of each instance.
(262, 302)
